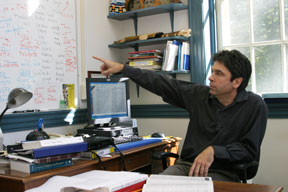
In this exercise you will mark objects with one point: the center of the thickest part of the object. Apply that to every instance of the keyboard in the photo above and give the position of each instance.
(125, 139)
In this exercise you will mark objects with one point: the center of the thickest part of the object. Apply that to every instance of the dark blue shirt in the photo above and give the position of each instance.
(235, 131)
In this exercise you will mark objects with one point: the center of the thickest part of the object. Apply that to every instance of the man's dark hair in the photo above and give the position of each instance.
(238, 65)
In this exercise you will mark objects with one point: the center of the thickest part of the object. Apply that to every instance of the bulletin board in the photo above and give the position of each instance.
(37, 50)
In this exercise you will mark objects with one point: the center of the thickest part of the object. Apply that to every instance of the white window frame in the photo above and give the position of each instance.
(253, 44)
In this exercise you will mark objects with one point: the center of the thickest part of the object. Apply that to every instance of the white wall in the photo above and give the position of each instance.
(274, 155)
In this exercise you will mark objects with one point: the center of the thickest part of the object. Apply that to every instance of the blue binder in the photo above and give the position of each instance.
(133, 144)
(59, 150)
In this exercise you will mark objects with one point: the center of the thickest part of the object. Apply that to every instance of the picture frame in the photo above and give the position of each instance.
(95, 74)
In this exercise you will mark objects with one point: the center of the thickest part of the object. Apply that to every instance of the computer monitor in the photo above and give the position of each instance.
(108, 100)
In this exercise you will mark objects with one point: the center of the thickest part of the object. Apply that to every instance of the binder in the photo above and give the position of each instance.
(55, 150)
(130, 145)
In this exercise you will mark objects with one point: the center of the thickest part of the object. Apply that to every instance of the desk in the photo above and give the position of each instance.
(220, 186)
(137, 159)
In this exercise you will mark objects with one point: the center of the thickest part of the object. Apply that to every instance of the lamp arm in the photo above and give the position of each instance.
(3, 113)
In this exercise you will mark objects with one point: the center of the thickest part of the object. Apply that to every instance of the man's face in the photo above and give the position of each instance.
(220, 81)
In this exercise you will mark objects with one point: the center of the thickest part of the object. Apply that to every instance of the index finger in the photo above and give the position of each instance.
(99, 59)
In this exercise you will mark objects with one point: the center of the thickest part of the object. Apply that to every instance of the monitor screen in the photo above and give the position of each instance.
(108, 100)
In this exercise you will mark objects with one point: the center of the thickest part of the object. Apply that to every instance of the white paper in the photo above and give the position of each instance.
(90, 180)
(167, 183)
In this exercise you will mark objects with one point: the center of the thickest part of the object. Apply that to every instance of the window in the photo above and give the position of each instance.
(258, 29)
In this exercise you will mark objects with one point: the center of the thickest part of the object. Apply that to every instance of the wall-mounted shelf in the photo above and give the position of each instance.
(148, 11)
(168, 8)
(147, 42)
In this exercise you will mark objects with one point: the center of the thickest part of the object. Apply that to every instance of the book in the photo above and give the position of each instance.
(54, 150)
(167, 183)
(148, 62)
(133, 144)
(43, 159)
(170, 56)
(69, 95)
(101, 152)
(179, 56)
(112, 181)
(145, 54)
(51, 142)
(145, 57)
(33, 168)
(146, 51)
(185, 56)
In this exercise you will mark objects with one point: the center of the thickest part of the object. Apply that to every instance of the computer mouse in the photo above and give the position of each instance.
(158, 134)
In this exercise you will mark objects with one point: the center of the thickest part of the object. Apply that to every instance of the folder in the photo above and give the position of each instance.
(131, 145)
(54, 150)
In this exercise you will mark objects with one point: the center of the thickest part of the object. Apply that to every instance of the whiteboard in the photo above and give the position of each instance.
(37, 50)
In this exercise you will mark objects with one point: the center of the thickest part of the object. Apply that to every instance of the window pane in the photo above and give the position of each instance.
(286, 18)
(268, 69)
(235, 22)
(266, 20)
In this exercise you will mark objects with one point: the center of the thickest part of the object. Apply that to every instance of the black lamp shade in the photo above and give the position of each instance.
(18, 97)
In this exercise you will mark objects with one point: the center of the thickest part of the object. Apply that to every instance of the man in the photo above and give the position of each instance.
(227, 123)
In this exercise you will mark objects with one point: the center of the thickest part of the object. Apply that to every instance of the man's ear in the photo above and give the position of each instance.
(237, 82)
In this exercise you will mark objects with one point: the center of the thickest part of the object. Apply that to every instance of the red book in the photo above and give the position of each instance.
(144, 57)
(133, 187)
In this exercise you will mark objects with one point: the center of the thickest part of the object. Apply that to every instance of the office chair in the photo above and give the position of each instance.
(245, 171)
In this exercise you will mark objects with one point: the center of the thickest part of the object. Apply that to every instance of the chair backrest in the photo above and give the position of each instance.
(246, 171)
(251, 172)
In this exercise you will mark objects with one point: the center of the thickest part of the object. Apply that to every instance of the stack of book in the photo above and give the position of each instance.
(146, 59)
(176, 56)
(47, 154)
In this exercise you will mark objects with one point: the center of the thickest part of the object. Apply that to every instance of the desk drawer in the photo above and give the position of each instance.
(132, 162)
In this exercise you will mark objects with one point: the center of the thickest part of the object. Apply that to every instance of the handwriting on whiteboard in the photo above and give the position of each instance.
(37, 49)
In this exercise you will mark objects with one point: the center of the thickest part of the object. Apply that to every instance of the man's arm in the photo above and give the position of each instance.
(162, 85)
(247, 148)
(109, 67)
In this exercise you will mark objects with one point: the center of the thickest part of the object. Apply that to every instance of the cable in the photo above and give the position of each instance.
(121, 158)
(99, 159)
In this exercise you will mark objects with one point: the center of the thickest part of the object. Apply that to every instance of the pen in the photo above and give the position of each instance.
(40, 124)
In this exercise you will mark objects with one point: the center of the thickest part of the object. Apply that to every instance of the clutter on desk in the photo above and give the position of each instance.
(39, 133)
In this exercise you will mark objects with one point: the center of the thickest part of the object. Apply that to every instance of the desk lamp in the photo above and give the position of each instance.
(16, 98)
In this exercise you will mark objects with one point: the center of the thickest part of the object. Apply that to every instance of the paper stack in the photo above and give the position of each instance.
(167, 183)
(146, 59)
(108, 181)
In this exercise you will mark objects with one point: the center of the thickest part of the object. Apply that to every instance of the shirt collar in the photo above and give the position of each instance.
(241, 96)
